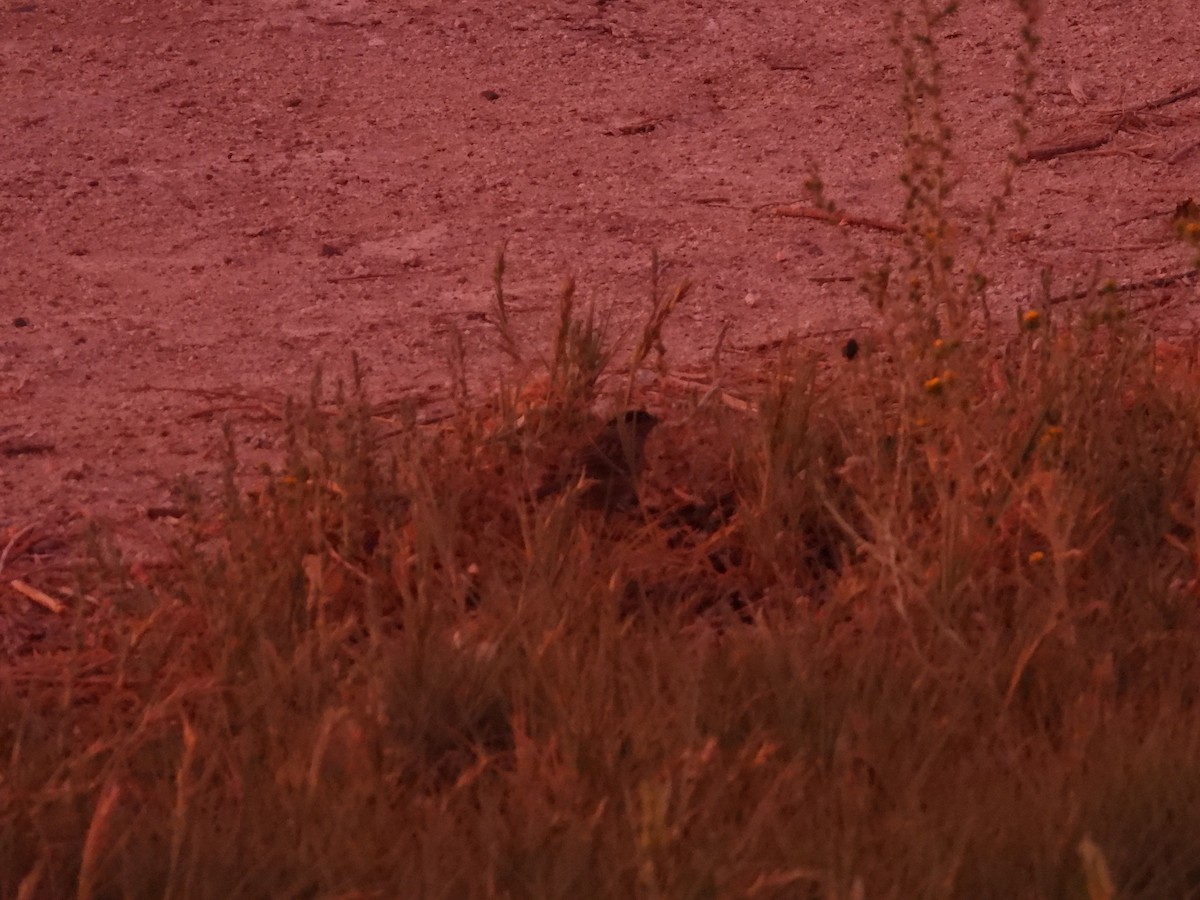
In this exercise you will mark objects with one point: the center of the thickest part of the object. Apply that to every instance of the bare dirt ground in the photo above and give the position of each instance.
(202, 200)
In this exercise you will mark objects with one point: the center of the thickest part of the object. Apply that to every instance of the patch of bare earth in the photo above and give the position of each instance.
(201, 202)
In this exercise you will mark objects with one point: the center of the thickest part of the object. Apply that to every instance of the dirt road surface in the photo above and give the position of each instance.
(202, 200)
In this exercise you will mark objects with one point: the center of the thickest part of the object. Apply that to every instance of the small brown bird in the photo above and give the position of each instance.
(610, 465)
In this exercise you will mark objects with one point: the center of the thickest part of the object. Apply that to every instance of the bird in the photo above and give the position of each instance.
(609, 465)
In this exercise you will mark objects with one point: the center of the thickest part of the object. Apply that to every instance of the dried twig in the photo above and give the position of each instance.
(25, 448)
(365, 276)
(780, 342)
(12, 543)
(800, 211)
(1160, 281)
(628, 127)
(1050, 151)
(39, 597)
(1175, 97)
(1183, 151)
(732, 401)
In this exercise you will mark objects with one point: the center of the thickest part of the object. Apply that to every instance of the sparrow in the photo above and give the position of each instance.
(609, 466)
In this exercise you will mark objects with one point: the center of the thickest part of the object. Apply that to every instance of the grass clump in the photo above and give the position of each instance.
(896, 640)
(917, 643)
(924, 623)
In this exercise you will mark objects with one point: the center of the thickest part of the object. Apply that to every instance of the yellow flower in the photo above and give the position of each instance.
(943, 348)
(1052, 433)
(1031, 319)
(1037, 556)
(934, 385)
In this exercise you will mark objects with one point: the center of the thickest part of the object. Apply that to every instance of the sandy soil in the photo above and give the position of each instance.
(201, 200)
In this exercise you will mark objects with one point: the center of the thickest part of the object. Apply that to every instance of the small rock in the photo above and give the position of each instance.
(751, 300)
(20, 322)
(490, 95)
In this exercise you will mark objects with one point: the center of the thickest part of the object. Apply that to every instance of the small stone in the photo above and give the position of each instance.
(20, 322)
(490, 95)
(751, 300)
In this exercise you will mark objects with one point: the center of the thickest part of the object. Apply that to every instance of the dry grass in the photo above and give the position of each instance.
(924, 623)
(915, 635)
